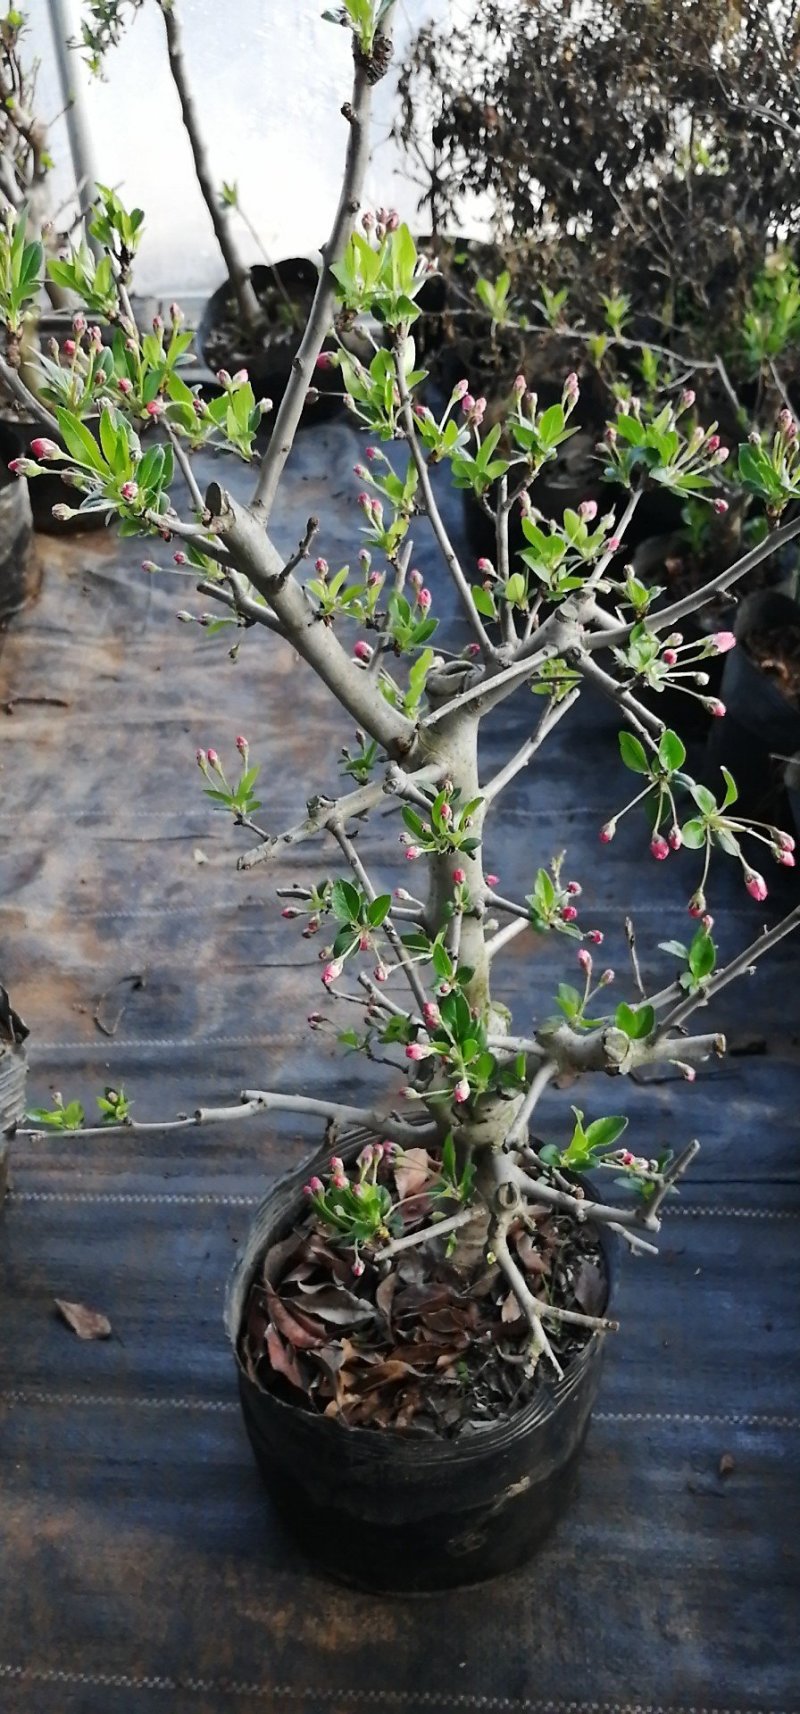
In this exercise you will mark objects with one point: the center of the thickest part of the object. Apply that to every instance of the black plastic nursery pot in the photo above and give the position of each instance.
(760, 731)
(16, 538)
(13, 1079)
(268, 359)
(391, 1510)
(47, 491)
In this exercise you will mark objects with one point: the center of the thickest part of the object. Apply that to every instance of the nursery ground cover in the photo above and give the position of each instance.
(142, 1566)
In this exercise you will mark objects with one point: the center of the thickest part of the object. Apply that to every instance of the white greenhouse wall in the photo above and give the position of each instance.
(270, 77)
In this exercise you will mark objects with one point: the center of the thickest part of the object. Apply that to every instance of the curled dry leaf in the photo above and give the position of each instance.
(87, 1323)
(412, 1172)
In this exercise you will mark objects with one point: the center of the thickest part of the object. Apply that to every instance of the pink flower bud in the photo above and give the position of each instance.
(520, 384)
(361, 472)
(492, 880)
(606, 978)
(381, 973)
(715, 707)
(363, 500)
(362, 651)
(659, 847)
(416, 1051)
(713, 443)
(69, 348)
(324, 361)
(460, 390)
(412, 853)
(314, 1020)
(669, 658)
(124, 385)
(721, 454)
(241, 745)
(363, 943)
(689, 1073)
(575, 888)
(568, 913)
(687, 398)
(415, 579)
(585, 960)
(431, 1014)
(785, 857)
(240, 378)
(697, 903)
(478, 411)
(200, 758)
(401, 894)
(212, 758)
(785, 841)
(156, 408)
(358, 1267)
(571, 385)
(149, 565)
(321, 567)
(588, 510)
(675, 838)
(459, 877)
(626, 1158)
(45, 449)
(461, 1091)
(467, 403)
(723, 641)
(129, 490)
(446, 812)
(720, 507)
(607, 832)
(613, 543)
(595, 935)
(486, 568)
(332, 972)
(424, 599)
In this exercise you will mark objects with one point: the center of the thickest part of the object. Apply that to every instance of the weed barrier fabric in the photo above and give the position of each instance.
(142, 1567)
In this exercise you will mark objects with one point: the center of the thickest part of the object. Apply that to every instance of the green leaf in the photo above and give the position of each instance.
(379, 910)
(693, 834)
(671, 751)
(702, 955)
(633, 753)
(346, 901)
(731, 789)
(603, 1133)
(80, 444)
(484, 601)
(704, 799)
(637, 1022)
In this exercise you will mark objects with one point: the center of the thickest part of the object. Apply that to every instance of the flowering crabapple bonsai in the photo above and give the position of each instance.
(418, 1318)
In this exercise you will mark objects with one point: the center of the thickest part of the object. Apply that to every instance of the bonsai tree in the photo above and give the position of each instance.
(420, 965)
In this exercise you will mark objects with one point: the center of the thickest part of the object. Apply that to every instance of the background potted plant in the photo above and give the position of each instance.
(418, 1327)
(636, 181)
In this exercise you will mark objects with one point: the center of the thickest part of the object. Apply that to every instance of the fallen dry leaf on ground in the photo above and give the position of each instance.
(87, 1323)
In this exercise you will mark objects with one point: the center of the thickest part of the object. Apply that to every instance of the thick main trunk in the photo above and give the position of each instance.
(454, 741)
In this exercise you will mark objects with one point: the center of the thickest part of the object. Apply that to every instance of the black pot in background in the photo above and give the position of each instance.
(269, 366)
(392, 1511)
(760, 729)
(16, 438)
(16, 538)
(13, 1079)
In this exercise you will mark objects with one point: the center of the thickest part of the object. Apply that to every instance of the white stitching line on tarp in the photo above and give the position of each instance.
(223, 1200)
(32, 1398)
(387, 1698)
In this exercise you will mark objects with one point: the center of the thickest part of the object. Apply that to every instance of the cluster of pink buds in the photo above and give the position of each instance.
(474, 409)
